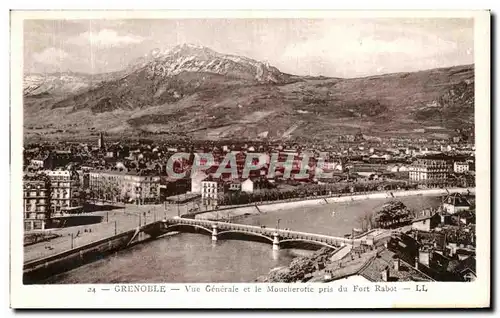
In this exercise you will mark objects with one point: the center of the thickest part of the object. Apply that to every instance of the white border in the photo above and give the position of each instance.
(441, 294)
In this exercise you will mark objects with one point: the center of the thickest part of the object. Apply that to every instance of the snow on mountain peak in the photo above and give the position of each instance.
(197, 58)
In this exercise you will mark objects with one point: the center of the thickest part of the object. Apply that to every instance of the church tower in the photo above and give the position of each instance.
(100, 141)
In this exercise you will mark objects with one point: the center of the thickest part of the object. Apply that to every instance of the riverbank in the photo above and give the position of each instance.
(40, 269)
(118, 220)
(301, 269)
(307, 268)
(234, 213)
(37, 270)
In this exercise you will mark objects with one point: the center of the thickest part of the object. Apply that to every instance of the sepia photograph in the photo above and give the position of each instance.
(208, 151)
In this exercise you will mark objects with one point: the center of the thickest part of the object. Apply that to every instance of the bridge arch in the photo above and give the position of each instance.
(247, 233)
(311, 242)
(179, 225)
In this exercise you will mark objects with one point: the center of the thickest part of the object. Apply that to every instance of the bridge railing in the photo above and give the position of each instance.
(287, 234)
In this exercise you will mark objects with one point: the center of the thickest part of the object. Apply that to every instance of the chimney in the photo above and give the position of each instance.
(385, 274)
(416, 262)
(396, 263)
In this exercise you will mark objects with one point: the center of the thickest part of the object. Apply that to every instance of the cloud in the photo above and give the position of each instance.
(50, 56)
(105, 38)
(368, 48)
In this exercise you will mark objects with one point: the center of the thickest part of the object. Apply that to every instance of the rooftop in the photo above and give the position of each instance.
(371, 264)
(456, 199)
(33, 177)
(129, 172)
(425, 217)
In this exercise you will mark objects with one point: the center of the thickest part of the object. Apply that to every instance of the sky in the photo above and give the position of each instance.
(328, 47)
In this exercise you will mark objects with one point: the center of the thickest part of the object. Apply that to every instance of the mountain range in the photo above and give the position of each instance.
(192, 91)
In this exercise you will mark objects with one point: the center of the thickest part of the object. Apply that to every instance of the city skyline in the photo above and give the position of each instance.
(295, 46)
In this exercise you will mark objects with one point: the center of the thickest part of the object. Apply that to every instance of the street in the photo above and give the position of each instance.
(113, 222)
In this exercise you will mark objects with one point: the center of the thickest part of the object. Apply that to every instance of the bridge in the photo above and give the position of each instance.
(276, 237)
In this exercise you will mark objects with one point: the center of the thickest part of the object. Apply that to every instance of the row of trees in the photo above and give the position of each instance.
(307, 191)
(462, 181)
(110, 192)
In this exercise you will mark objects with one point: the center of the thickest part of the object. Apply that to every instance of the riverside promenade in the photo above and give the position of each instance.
(115, 221)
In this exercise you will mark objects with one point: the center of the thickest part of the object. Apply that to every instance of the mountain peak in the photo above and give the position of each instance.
(192, 46)
(189, 49)
(196, 58)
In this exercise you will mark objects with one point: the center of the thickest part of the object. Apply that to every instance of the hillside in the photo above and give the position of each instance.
(61, 84)
(196, 92)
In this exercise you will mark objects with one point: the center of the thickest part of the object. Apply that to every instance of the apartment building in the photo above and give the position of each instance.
(210, 190)
(430, 168)
(139, 187)
(455, 203)
(65, 192)
(460, 167)
(37, 198)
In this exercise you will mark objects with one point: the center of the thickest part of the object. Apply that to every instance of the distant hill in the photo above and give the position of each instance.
(61, 84)
(197, 92)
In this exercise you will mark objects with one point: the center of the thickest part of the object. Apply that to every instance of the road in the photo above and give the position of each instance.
(113, 222)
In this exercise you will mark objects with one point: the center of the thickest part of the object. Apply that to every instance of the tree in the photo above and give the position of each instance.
(366, 222)
(392, 214)
(125, 194)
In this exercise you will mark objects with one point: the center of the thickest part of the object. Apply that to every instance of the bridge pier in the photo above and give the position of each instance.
(276, 242)
(214, 232)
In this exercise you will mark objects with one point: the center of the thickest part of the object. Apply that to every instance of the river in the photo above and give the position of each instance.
(188, 258)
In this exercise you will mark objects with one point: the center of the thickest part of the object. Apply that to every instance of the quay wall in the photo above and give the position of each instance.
(38, 270)
(253, 209)
(231, 212)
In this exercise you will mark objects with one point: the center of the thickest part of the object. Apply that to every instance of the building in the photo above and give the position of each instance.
(234, 185)
(403, 168)
(460, 166)
(465, 217)
(100, 141)
(65, 191)
(430, 168)
(83, 176)
(210, 190)
(426, 223)
(466, 268)
(380, 265)
(196, 179)
(43, 162)
(37, 199)
(332, 165)
(139, 187)
(455, 202)
(170, 186)
(247, 186)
